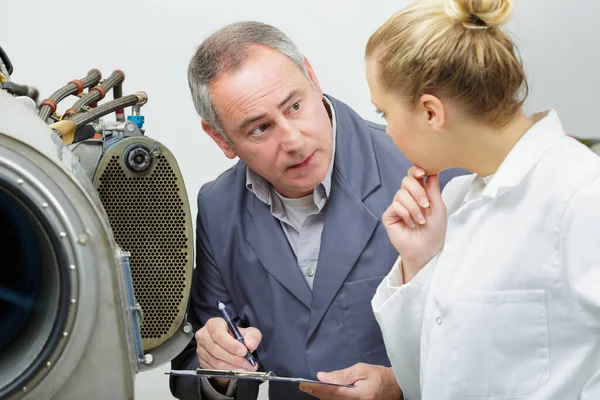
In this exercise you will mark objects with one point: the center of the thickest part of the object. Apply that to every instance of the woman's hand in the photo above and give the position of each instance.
(416, 221)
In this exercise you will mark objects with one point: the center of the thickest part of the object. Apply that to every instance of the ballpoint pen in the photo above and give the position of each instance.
(235, 331)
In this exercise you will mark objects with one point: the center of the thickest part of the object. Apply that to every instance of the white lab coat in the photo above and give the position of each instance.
(510, 308)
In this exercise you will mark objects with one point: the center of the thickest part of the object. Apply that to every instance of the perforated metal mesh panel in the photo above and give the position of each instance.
(149, 215)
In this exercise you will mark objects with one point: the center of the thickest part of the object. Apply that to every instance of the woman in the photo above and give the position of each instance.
(496, 293)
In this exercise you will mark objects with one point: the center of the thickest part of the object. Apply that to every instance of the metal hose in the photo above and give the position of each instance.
(108, 107)
(118, 93)
(92, 78)
(23, 90)
(6, 68)
(4, 75)
(97, 93)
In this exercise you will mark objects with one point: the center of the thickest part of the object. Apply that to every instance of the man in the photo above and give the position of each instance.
(289, 238)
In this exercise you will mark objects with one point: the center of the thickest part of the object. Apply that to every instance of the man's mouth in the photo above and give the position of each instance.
(305, 162)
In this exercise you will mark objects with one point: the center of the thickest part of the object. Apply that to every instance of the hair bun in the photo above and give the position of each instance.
(479, 14)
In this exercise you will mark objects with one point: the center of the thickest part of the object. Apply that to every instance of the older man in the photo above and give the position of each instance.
(290, 238)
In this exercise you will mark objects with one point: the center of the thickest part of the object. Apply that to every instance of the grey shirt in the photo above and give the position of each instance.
(301, 222)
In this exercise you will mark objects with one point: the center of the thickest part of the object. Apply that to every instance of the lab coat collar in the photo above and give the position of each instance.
(528, 151)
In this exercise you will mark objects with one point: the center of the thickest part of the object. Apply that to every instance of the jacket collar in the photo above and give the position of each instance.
(528, 151)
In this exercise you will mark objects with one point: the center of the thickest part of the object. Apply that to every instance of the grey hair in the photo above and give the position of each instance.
(226, 50)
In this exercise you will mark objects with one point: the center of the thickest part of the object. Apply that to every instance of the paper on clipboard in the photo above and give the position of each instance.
(257, 376)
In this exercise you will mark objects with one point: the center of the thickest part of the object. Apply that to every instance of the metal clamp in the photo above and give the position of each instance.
(140, 313)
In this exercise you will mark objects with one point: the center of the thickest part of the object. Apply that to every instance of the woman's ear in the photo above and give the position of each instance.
(433, 111)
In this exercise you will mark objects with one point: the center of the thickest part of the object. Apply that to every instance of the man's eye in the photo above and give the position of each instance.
(295, 106)
(379, 112)
(259, 130)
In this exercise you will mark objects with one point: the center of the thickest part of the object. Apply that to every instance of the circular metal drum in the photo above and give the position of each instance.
(62, 313)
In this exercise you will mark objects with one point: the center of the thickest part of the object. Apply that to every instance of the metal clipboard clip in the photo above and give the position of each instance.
(258, 376)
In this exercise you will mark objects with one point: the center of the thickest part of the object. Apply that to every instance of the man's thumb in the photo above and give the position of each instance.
(252, 337)
(343, 376)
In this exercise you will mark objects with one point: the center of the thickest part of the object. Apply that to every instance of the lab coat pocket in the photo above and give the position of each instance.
(500, 344)
(358, 318)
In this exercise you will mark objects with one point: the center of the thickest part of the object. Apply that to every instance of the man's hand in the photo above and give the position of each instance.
(217, 349)
(416, 221)
(370, 381)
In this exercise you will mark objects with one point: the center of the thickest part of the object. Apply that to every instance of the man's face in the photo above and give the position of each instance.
(276, 121)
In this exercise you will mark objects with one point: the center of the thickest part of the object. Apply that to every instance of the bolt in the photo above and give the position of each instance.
(82, 239)
(148, 359)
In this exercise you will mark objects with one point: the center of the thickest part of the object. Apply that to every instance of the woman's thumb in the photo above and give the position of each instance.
(432, 188)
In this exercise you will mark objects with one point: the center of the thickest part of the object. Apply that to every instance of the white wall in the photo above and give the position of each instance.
(52, 42)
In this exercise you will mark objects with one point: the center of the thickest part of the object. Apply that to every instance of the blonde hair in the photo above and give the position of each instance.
(453, 49)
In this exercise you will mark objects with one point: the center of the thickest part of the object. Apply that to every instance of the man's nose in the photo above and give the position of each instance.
(291, 137)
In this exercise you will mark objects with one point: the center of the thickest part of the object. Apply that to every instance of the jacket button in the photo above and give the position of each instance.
(438, 320)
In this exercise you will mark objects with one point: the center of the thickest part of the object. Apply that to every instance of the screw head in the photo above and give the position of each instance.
(148, 359)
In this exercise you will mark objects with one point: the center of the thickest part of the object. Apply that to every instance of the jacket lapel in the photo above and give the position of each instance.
(349, 224)
(270, 244)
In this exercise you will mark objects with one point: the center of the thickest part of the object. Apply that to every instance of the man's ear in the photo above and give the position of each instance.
(224, 144)
(433, 111)
(312, 76)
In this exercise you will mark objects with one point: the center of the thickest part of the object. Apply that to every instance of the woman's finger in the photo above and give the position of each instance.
(416, 190)
(410, 204)
(396, 213)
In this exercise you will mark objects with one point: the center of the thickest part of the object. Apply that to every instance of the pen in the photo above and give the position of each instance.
(235, 331)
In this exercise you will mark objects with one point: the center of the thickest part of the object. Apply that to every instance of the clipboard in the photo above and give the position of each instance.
(257, 376)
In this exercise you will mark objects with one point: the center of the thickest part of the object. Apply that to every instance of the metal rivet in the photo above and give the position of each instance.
(73, 301)
(20, 182)
(24, 388)
(48, 364)
(148, 359)
(187, 329)
(82, 239)
(63, 234)
(65, 333)
(72, 266)
(45, 205)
